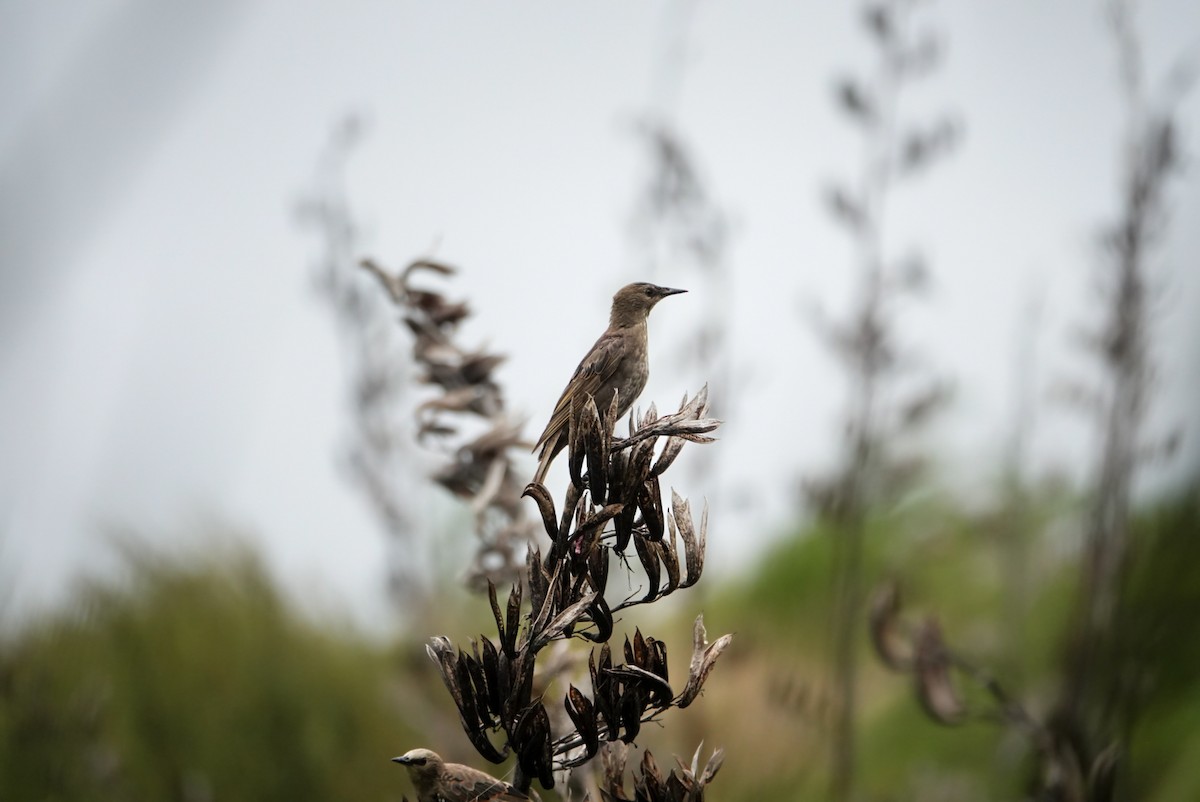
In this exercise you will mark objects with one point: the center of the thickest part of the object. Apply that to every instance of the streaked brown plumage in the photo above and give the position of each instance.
(437, 781)
(618, 361)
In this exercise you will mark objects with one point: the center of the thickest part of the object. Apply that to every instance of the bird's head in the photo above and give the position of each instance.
(420, 762)
(633, 302)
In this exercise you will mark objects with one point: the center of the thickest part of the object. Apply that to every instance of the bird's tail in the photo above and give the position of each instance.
(543, 466)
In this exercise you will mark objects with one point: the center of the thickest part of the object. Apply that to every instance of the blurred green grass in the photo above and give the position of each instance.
(194, 681)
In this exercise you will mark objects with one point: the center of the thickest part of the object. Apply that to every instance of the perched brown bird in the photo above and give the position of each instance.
(618, 361)
(437, 781)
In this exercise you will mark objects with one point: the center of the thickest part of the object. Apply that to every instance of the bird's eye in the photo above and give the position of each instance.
(649, 290)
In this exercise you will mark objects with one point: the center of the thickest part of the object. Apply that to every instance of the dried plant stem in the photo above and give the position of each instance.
(1094, 694)
(376, 451)
(866, 341)
(867, 369)
(502, 706)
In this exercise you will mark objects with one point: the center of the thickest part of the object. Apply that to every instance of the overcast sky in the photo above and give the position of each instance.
(166, 364)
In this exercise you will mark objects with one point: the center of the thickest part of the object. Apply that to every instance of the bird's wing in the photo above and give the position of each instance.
(465, 784)
(597, 367)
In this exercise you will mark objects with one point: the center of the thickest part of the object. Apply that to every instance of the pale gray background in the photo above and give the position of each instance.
(165, 363)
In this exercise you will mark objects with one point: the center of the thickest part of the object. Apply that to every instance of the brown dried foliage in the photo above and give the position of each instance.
(614, 500)
(684, 783)
(377, 451)
(942, 678)
(871, 470)
(481, 469)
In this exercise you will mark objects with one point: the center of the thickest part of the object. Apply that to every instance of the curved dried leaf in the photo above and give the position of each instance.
(595, 446)
(618, 466)
(694, 408)
(554, 594)
(602, 617)
(483, 693)
(623, 527)
(514, 619)
(693, 545)
(658, 689)
(532, 743)
(567, 618)
(604, 690)
(713, 766)
(658, 658)
(892, 646)
(650, 503)
(521, 687)
(610, 418)
(477, 368)
(574, 494)
(432, 266)
(575, 453)
(598, 570)
(541, 497)
(699, 403)
(630, 710)
(468, 710)
(936, 691)
(614, 756)
(441, 652)
(640, 653)
(670, 561)
(704, 657)
(637, 470)
(496, 611)
(496, 682)
(593, 523)
(651, 777)
(539, 581)
(650, 417)
(680, 788)
(647, 552)
(583, 716)
(670, 451)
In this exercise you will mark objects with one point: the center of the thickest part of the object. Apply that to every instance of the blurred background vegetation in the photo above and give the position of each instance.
(196, 674)
(193, 679)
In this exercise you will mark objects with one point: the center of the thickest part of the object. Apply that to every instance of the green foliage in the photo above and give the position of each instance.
(1158, 651)
(191, 683)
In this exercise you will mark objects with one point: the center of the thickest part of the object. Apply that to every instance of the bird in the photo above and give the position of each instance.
(618, 362)
(438, 781)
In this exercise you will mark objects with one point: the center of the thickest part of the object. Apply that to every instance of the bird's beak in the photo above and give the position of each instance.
(402, 760)
(665, 291)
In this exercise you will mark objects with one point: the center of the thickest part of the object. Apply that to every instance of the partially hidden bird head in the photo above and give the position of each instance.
(633, 302)
(420, 763)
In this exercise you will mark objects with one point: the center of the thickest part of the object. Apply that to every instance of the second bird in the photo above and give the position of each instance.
(617, 362)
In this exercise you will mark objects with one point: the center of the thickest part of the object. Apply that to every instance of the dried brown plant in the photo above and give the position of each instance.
(377, 451)
(942, 680)
(1081, 745)
(872, 470)
(686, 783)
(1095, 710)
(481, 469)
(613, 501)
